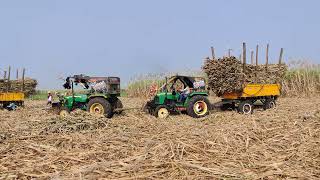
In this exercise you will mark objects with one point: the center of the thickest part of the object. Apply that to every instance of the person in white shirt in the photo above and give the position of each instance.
(50, 99)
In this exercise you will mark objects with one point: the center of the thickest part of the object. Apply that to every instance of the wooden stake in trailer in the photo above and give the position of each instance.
(229, 52)
(267, 57)
(23, 73)
(257, 54)
(244, 55)
(280, 57)
(17, 74)
(257, 51)
(252, 58)
(8, 82)
(212, 52)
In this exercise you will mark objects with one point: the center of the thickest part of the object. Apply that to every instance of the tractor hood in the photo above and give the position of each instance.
(78, 98)
(162, 96)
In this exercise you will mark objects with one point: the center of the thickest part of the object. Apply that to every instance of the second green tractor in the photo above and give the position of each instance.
(100, 95)
(195, 103)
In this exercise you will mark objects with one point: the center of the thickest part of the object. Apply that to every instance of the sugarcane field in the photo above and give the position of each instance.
(107, 90)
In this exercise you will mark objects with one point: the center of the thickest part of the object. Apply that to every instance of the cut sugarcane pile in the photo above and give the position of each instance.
(16, 86)
(228, 74)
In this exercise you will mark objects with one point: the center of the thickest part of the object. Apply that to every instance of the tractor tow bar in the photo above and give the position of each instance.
(125, 109)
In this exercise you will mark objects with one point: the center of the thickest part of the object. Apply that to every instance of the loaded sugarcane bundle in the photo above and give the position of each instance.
(228, 74)
(28, 88)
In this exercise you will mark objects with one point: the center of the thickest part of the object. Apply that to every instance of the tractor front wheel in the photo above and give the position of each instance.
(63, 111)
(198, 107)
(162, 112)
(101, 106)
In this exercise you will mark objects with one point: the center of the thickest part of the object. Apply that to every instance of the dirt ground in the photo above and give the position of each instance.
(282, 143)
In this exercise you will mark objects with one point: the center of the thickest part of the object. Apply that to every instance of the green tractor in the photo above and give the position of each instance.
(100, 97)
(180, 94)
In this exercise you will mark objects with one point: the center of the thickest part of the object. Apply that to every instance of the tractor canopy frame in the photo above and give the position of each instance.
(194, 83)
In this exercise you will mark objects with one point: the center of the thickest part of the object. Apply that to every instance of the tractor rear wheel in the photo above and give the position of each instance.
(162, 112)
(101, 106)
(117, 104)
(198, 107)
(245, 107)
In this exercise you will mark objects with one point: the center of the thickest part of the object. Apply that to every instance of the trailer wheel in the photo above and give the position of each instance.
(162, 112)
(101, 106)
(269, 104)
(245, 107)
(198, 107)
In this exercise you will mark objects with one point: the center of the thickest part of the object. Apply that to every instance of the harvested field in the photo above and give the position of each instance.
(281, 143)
(228, 74)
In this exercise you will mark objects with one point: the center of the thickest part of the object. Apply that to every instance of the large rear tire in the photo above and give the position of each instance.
(198, 107)
(101, 106)
(117, 105)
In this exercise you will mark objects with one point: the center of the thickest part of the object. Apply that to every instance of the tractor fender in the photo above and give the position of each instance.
(108, 98)
(191, 95)
(198, 93)
(96, 96)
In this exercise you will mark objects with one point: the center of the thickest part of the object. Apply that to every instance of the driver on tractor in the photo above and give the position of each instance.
(184, 94)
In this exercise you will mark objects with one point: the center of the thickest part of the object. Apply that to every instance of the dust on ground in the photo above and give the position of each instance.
(279, 143)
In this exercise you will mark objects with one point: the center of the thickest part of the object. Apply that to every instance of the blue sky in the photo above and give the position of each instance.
(124, 38)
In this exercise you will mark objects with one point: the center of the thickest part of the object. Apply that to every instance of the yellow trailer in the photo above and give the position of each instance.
(245, 100)
(10, 100)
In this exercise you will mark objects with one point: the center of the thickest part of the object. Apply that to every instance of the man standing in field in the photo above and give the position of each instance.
(50, 99)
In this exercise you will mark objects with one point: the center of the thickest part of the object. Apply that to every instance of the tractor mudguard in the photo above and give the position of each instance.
(198, 93)
(97, 95)
(186, 102)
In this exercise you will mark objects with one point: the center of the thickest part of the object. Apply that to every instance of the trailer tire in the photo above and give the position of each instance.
(245, 107)
(269, 104)
(101, 106)
(198, 107)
